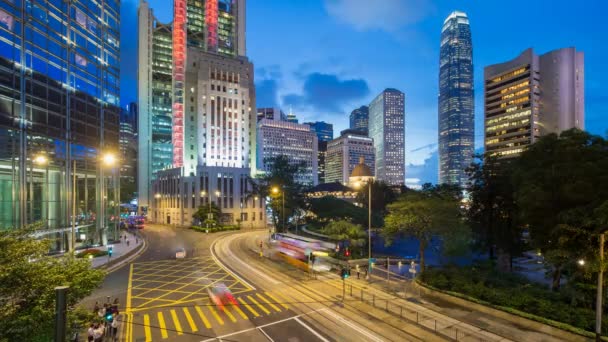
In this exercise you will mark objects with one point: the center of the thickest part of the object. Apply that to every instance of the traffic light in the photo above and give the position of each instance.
(109, 316)
(345, 272)
(347, 252)
(110, 249)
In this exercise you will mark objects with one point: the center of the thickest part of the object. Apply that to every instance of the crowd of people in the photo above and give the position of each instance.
(106, 327)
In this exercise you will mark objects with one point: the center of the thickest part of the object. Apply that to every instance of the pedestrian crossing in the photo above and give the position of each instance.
(169, 323)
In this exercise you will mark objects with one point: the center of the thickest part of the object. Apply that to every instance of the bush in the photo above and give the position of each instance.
(511, 291)
(215, 229)
(91, 251)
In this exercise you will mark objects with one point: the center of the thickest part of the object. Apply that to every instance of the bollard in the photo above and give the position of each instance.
(435, 325)
(374, 300)
(416, 316)
(361, 294)
(386, 308)
(351, 290)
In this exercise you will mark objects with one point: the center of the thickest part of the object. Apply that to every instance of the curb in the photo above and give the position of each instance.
(132, 254)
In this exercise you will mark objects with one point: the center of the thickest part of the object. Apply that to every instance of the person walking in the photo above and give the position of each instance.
(114, 329)
(96, 307)
(358, 272)
(128, 241)
(98, 332)
(90, 333)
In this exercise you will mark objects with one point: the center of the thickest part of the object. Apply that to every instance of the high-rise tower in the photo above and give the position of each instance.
(359, 118)
(456, 105)
(387, 129)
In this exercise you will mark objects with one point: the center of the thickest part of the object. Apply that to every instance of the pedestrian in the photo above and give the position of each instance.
(96, 307)
(98, 332)
(128, 241)
(115, 307)
(90, 332)
(366, 272)
(114, 329)
(136, 241)
(358, 272)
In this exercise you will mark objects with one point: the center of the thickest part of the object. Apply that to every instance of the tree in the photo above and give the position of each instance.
(330, 208)
(202, 214)
(423, 214)
(382, 195)
(561, 187)
(346, 231)
(28, 277)
(491, 210)
(281, 175)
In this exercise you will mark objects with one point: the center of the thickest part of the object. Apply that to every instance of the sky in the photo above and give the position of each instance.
(324, 58)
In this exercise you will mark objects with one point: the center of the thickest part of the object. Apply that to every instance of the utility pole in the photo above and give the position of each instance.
(599, 299)
(60, 312)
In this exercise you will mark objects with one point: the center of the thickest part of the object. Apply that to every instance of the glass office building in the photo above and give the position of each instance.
(359, 118)
(456, 106)
(59, 96)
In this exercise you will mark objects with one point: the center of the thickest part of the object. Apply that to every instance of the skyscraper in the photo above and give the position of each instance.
(531, 96)
(387, 128)
(128, 148)
(59, 97)
(155, 60)
(271, 114)
(345, 152)
(456, 105)
(323, 130)
(359, 119)
(296, 141)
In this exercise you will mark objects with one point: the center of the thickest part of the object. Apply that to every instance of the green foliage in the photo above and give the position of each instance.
(561, 190)
(352, 233)
(382, 195)
(485, 284)
(28, 277)
(279, 183)
(91, 251)
(215, 229)
(330, 208)
(203, 211)
(432, 211)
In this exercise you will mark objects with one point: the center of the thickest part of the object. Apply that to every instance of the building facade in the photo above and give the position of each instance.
(321, 156)
(59, 113)
(531, 96)
(323, 130)
(456, 106)
(387, 129)
(345, 153)
(155, 150)
(128, 147)
(359, 119)
(293, 140)
(271, 114)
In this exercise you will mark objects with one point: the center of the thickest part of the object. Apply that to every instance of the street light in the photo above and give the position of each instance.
(358, 185)
(108, 160)
(276, 190)
(41, 160)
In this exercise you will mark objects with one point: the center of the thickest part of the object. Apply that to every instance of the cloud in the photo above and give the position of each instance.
(266, 93)
(388, 15)
(427, 172)
(269, 72)
(327, 93)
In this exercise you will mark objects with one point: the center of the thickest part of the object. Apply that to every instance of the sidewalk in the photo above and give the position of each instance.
(120, 249)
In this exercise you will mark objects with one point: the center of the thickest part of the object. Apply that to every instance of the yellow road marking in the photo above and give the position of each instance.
(178, 326)
(275, 300)
(163, 326)
(147, 328)
(236, 307)
(190, 320)
(129, 327)
(217, 317)
(258, 304)
(229, 314)
(255, 313)
(268, 302)
(200, 313)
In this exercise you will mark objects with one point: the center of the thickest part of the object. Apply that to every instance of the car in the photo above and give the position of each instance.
(220, 295)
(180, 254)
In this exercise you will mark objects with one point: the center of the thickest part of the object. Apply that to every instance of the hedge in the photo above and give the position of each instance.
(215, 229)
(91, 251)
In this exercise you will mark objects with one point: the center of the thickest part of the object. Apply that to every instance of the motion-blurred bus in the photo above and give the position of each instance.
(136, 222)
(297, 251)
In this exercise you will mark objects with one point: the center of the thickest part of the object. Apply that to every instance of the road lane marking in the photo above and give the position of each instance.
(217, 317)
(178, 326)
(258, 304)
(236, 307)
(265, 334)
(252, 310)
(297, 319)
(147, 330)
(262, 298)
(229, 314)
(365, 332)
(163, 326)
(275, 300)
(217, 261)
(200, 313)
(190, 320)
(128, 327)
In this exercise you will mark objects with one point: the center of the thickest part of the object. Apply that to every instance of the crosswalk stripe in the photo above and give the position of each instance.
(258, 304)
(229, 314)
(163, 326)
(200, 313)
(275, 300)
(217, 317)
(236, 307)
(255, 313)
(178, 326)
(147, 328)
(268, 302)
(190, 320)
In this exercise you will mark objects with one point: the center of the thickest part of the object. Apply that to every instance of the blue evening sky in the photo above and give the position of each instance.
(324, 58)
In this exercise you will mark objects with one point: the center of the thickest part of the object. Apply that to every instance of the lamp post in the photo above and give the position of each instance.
(157, 196)
(369, 226)
(276, 191)
(108, 160)
(600, 297)
(219, 203)
(42, 161)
